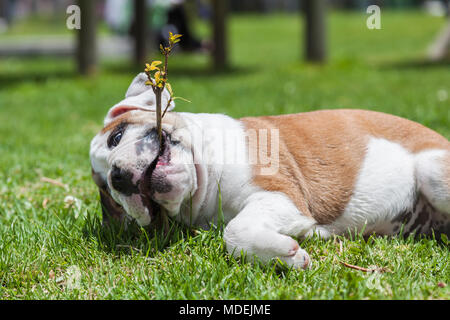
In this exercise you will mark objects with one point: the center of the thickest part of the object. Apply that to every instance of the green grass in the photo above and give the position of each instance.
(48, 116)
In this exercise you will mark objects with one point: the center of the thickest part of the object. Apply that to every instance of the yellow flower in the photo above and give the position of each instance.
(153, 66)
(157, 76)
(173, 38)
(156, 63)
(159, 81)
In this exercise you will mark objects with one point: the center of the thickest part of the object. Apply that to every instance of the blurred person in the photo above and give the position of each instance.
(170, 16)
(6, 14)
(118, 15)
(164, 16)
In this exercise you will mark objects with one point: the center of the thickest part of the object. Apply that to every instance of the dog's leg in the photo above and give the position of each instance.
(264, 230)
(433, 176)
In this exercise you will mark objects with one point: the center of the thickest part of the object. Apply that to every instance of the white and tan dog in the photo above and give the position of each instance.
(280, 178)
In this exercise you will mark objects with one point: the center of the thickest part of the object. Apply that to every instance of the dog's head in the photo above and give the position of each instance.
(134, 174)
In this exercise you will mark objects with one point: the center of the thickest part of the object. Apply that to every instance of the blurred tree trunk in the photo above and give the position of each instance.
(220, 50)
(140, 32)
(3, 9)
(315, 30)
(87, 44)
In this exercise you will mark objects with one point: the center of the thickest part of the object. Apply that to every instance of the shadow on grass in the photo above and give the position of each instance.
(418, 64)
(38, 73)
(439, 236)
(181, 71)
(23, 77)
(129, 238)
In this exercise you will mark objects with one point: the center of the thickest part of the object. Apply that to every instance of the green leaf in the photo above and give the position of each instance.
(444, 238)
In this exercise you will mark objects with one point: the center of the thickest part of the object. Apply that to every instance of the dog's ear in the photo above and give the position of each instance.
(110, 208)
(139, 96)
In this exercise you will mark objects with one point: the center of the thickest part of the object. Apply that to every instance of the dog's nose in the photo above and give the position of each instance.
(122, 181)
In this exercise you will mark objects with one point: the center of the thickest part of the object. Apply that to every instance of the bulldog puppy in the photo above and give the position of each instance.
(281, 178)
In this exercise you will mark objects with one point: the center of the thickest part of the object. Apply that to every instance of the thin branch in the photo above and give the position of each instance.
(376, 269)
(54, 182)
(167, 107)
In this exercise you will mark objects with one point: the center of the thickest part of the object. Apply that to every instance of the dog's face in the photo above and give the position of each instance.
(137, 177)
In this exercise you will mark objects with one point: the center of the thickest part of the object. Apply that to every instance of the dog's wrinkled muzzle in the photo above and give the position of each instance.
(137, 198)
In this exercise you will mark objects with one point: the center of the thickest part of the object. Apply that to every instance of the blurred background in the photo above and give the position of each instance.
(237, 57)
(111, 29)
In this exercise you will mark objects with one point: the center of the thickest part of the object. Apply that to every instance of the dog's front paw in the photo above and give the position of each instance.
(298, 260)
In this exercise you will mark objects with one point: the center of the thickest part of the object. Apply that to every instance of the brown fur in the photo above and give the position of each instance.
(411, 135)
(143, 117)
(110, 208)
(126, 117)
(321, 153)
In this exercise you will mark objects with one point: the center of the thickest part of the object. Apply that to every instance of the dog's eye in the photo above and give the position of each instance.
(114, 138)
(174, 142)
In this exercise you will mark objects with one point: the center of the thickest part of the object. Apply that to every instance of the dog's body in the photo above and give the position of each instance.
(279, 178)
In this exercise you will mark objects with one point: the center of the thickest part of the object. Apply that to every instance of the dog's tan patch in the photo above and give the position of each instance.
(144, 117)
(411, 135)
(321, 152)
(318, 163)
(125, 117)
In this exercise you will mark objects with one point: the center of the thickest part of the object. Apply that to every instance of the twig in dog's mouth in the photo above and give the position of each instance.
(158, 80)
(162, 152)
(155, 210)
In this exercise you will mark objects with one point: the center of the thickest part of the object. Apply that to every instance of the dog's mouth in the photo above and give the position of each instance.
(145, 184)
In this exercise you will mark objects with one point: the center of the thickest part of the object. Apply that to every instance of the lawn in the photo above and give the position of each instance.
(51, 248)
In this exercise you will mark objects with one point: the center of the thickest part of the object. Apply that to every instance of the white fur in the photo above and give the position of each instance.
(429, 167)
(264, 229)
(385, 187)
